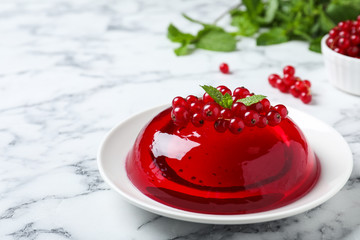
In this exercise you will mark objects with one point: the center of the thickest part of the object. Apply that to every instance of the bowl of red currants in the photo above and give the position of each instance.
(341, 51)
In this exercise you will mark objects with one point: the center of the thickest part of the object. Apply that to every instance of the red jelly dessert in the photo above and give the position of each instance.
(211, 169)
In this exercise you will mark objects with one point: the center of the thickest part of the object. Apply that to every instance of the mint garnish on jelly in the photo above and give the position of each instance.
(248, 101)
(226, 100)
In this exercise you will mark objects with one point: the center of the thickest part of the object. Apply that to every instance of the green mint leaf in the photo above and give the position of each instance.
(227, 101)
(343, 10)
(251, 99)
(315, 28)
(214, 93)
(216, 39)
(271, 8)
(175, 35)
(223, 100)
(183, 50)
(315, 45)
(252, 7)
(302, 35)
(326, 23)
(273, 36)
(246, 26)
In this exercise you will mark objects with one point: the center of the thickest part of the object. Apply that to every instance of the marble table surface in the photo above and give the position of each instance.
(71, 70)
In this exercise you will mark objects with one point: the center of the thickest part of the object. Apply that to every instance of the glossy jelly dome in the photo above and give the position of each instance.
(201, 170)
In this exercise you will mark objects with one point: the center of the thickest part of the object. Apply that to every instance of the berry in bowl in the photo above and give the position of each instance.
(341, 51)
(229, 152)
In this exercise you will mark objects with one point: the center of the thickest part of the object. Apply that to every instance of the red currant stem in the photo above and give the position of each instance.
(335, 40)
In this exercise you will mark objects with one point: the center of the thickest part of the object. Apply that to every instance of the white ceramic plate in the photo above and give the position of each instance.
(330, 147)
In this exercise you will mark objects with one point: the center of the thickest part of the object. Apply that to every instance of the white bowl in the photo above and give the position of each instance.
(343, 71)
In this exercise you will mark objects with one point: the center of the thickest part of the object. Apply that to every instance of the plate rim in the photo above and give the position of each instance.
(175, 213)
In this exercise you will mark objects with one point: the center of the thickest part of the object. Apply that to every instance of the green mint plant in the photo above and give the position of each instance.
(283, 21)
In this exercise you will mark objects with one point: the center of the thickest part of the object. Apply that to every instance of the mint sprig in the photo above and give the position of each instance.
(214, 94)
(270, 22)
(210, 37)
(223, 100)
(226, 100)
(251, 99)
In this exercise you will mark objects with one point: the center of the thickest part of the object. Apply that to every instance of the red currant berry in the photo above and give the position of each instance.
(341, 24)
(263, 122)
(238, 109)
(300, 85)
(180, 116)
(330, 42)
(221, 125)
(249, 95)
(354, 29)
(339, 50)
(191, 98)
(307, 83)
(224, 68)
(290, 70)
(273, 117)
(207, 98)
(211, 111)
(251, 118)
(272, 79)
(305, 97)
(197, 120)
(266, 104)
(344, 34)
(293, 90)
(282, 86)
(355, 39)
(224, 90)
(344, 25)
(196, 107)
(235, 98)
(343, 43)
(289, 79)
(333, 32)
(258, 107)
(226, 113)
(353, 51)
(282, 110)
(236, 125)
(179, 102)
(241, 92)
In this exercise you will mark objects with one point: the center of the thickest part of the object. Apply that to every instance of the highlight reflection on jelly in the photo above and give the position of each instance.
(166, 145)
(204, 171)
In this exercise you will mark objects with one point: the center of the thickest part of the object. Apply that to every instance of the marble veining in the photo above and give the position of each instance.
(71, 70)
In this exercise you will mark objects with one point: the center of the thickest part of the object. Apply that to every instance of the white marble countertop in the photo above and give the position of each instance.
(71, 70)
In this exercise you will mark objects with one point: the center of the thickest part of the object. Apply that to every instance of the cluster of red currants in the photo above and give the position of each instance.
(290, 83)
(198, 110)
(345, 38)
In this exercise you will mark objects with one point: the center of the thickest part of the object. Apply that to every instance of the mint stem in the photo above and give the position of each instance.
(227, 12)
(193, 20)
